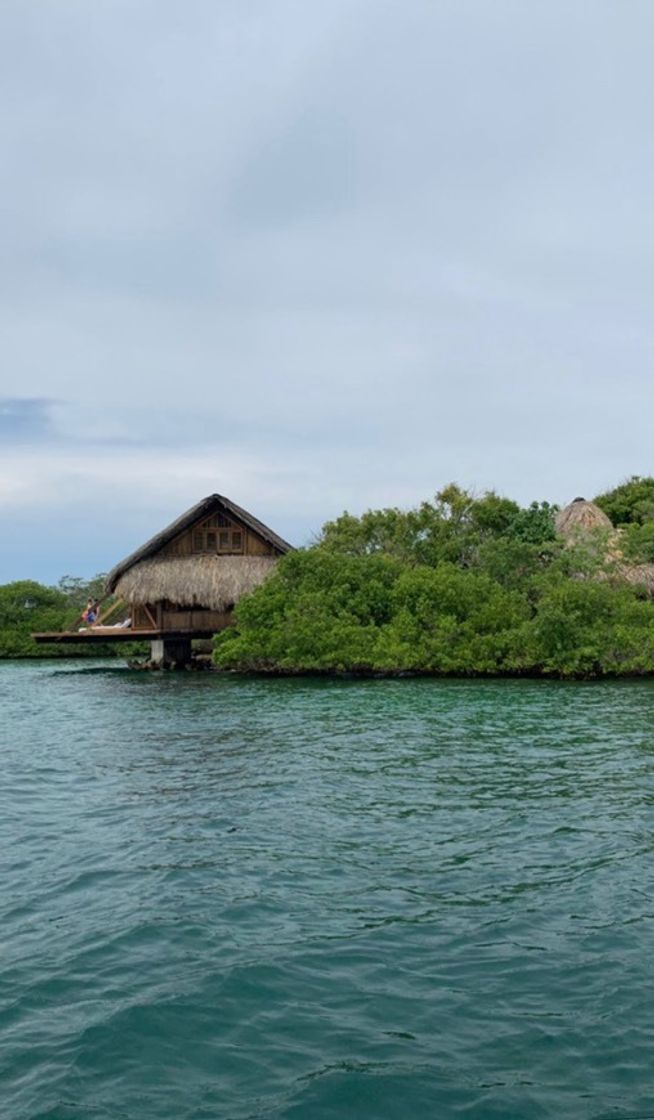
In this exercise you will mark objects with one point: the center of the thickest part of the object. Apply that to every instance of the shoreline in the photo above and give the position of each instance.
(348, 674)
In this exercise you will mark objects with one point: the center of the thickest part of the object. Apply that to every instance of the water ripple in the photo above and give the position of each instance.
(296, 900)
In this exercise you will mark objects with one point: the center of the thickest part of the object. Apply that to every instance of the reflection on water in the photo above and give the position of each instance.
(243, 898)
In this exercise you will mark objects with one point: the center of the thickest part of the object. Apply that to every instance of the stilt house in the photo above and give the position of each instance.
(184, 582)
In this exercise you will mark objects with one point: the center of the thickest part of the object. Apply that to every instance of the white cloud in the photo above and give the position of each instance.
(322, 255)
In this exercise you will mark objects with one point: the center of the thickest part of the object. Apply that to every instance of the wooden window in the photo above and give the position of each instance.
(227, 539)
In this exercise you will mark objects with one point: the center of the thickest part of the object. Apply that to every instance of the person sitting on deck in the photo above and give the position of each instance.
(91, 612)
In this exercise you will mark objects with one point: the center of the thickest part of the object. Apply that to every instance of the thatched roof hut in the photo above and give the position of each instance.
(582, 522)
(208, 558)
(581, 518)
(183, 583)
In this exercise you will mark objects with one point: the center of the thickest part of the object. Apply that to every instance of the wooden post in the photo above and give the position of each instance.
(171, 653)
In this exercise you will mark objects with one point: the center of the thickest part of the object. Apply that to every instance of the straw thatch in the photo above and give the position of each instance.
(581, 518)
(641, 575)
(214, 503)
(583, 522)
(216, 582)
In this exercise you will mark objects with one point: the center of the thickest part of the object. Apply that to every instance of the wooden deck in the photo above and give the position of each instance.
(100, 634)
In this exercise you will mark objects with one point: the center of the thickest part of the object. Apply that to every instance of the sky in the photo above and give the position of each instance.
(315, 257)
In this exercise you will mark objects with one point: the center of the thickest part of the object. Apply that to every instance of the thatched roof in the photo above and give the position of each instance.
(641, 575)
(581, 517)
(217, 582)
(214, 503)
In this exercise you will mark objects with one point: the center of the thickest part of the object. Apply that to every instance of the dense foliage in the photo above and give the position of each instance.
(630, 507)
(460, 585)
(27, 607)
(630, 503)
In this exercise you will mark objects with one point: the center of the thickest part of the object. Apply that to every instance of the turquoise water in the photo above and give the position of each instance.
(231, 898)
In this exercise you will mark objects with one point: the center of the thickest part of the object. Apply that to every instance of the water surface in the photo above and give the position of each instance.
(241, 898)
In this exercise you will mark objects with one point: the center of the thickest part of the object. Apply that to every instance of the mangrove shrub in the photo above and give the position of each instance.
(461, 585)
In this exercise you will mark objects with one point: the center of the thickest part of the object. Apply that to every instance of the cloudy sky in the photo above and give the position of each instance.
(315, 256)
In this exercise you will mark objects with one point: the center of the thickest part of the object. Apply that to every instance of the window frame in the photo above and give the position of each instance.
(227, 539)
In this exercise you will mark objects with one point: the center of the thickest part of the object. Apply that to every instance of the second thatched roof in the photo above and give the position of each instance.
(640, 575)
(580, 518)
(216, 582)
(583, 521)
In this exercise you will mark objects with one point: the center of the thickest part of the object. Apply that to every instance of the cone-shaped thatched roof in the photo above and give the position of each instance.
(217, 582)
(581, 517)
(214, 503)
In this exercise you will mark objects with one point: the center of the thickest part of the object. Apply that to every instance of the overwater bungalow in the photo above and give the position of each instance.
(184, 582)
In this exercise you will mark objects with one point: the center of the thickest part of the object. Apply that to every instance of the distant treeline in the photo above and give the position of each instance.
(27, 607)
(460, 585)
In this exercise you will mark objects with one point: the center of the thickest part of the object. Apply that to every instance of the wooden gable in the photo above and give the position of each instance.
(215, 526)
(220, 534)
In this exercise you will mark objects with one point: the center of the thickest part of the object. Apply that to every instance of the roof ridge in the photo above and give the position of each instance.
(185, 521)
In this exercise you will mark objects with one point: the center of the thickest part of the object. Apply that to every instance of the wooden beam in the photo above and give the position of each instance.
(102, 618)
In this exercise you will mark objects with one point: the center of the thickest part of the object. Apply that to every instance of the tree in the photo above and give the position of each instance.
(462, 584)
(632, 502)
(25, 607)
